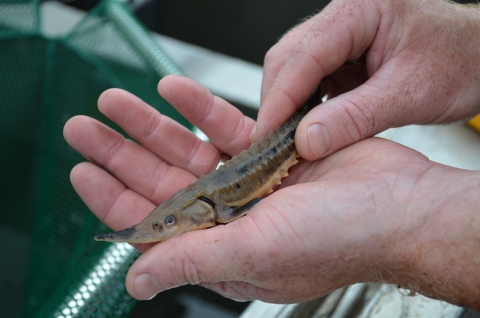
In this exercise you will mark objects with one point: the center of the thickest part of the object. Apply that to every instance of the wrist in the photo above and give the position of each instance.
(473, 32)
(440, 240)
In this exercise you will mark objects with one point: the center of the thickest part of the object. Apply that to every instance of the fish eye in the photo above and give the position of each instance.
(170, 220)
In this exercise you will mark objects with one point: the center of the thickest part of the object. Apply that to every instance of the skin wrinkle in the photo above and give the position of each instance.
(348, 124)
(416, 258)
(339, 157)
(108, 213)
(354, 52)
(263, 293)
(390, 45)
(161, 171)
(253, 224)
(153, 123)
(285, 93)
(243, 289)
(311, 36)
(239, 128)
(276, 64)
(366, 122)
(305, 203)
(235, 139)
(240, 293)
(226, 290)
(393, 186)
(177, 278)
(300, 174)
(191, 273)
(417, 187)
(113, 150)
(426, 284)
(208, 110)
(193, 154)
(371, 194)
(270, 207)
(291, 228)
(232, 250)
(343, 172)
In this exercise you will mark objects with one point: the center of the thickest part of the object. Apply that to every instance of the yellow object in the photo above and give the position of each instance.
(475, 123)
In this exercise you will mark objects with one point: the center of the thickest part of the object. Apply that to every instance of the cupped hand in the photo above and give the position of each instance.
(345, 219)
(419, 62)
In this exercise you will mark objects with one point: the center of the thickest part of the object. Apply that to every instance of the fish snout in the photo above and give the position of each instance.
(120, 236)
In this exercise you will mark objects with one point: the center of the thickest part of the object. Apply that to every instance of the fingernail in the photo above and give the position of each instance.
(319, 139)
(145, 286)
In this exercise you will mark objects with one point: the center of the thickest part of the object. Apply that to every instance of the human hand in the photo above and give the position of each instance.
(420, 60)
(375, 211)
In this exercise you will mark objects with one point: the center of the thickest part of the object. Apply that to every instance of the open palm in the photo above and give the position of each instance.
(340, 220)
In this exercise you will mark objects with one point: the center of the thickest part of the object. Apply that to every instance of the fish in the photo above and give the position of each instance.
(226, 193)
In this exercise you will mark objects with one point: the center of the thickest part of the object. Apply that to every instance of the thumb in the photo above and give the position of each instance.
(206, 256)
(337, 34)
(351, 117)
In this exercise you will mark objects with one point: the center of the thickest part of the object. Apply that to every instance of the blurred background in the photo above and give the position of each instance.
(242, 29)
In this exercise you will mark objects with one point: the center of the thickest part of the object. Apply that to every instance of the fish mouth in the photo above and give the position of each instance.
(119, 236)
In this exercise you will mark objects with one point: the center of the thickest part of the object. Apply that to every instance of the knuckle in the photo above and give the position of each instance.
(158, 188)
(153, 122)
(208, 111)
(272, 56)
(190, 272)
(112, 150)
(187, 270)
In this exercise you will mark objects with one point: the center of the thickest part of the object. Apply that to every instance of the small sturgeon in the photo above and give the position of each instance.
(226, 193)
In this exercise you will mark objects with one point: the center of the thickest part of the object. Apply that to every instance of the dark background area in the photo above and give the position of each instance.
(244, 29)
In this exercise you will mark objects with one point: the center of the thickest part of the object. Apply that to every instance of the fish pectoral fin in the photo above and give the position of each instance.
(230, 213)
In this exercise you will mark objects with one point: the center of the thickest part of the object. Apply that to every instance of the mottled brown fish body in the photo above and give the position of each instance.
(255, 171)
(226, 193)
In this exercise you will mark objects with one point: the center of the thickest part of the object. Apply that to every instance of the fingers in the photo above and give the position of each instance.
(254, 257)
(226, 127)
(278, 54)
(216, 257)
(338, 33)
(360, 113)
(189, 259)
(133, 165)
(108, 199)
(114, 204)
(166, 138)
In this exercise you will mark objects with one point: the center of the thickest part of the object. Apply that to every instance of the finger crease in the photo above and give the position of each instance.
(161, 171)
(351, 125)
(237, 130)
(292, 100)
(193, 153)
(112, 150)
(310, 54)
(208, 110)
(154, 120)
(107, 214)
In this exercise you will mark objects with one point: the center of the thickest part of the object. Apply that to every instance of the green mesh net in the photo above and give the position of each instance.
(51, 266)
